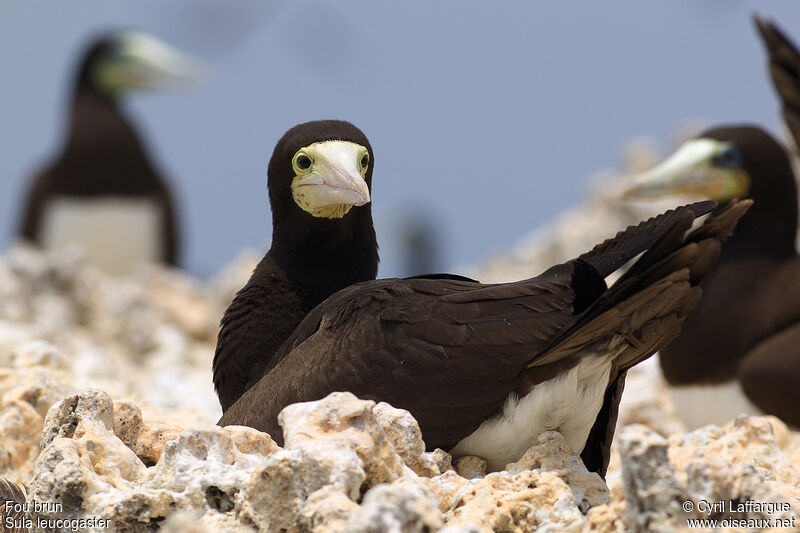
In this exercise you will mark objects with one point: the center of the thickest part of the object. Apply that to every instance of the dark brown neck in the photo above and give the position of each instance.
(102, 153)
(765, 231)
(97, 124)
(769, 228)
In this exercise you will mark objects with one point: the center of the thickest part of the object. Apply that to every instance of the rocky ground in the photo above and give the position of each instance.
(107, 414)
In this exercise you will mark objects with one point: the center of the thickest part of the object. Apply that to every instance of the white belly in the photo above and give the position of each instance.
(568, 403)
(701, 405)
(116, 234)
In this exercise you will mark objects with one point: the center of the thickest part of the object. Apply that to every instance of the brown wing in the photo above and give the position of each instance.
(784, 69)
(448, 351)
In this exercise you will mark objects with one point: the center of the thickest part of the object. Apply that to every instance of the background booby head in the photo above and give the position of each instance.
(729, 162)
(319, 181)
(102, 192)
(125, 61)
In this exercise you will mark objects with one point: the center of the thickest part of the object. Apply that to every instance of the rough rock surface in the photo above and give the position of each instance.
(737, 472)
(107, 412)
(338, 471)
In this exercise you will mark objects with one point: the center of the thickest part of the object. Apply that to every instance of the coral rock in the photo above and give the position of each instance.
(740, 462)
(519, 503)
(407, 506)
(403, 432)
(652, 491)
(326, 511)
(447, 489)
(470, 466)
(443, 460)
(20, 426)
(151, 439)
(552, 453)
(279, 490)
(341, 422)
(39, 353)
(127, 422)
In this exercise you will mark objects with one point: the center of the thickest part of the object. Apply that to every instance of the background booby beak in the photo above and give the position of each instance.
(145, 62)
(334, 183)
(694, 169)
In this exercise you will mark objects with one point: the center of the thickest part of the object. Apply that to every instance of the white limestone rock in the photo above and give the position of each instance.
(342, 424)
(653, 493)
(470, 466)
(406, 506)
(553, 454)
(405, 436)
(669, 481)
(90, 472)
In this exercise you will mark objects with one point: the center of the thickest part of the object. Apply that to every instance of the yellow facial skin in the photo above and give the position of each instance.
(329, 178)
(719, 185)
(691, 171)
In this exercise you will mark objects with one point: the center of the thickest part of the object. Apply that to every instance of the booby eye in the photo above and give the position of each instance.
(364, 162)
(303, 162)
(731, 157)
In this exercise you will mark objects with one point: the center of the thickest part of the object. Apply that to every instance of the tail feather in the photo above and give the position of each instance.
(784, 69)
(653, 298)
(612, 253)
(698, 250)
(722, 222)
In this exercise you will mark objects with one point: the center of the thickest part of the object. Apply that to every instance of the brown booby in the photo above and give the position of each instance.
(740, 351)
(483, 368)
(319, 181)
(102, 192)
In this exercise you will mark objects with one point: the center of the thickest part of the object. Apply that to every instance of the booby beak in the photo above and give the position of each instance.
(700, 167)
(141, 61)
(329, 178)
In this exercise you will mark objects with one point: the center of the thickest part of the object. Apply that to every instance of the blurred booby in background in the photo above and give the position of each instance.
(740, 352)
(102, 192)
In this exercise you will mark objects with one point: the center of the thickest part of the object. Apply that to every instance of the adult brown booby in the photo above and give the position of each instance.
(740, 351)
(483, 368)
(102, 192)
(319, 181)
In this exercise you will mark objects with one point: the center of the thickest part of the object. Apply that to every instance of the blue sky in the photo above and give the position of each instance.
(486, 117)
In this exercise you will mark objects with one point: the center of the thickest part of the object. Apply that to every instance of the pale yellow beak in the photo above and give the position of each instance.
(145, 62)
(691, 170)
(335, 180)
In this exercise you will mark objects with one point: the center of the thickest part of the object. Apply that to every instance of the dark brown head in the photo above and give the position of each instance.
(319, 181)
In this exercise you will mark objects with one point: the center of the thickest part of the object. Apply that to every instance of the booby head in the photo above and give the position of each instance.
(325, 167)
(720, 164)
(130, 60)
(734, 162)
